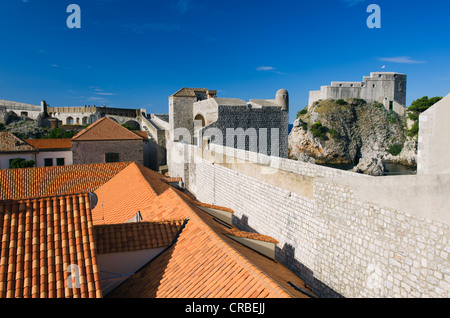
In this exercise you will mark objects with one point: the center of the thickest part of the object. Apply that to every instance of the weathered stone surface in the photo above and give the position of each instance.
(371, 166)
(352, 131)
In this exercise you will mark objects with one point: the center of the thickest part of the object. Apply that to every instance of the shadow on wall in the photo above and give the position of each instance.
(286, 256)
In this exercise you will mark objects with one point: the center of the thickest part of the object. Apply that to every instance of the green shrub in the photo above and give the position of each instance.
(2, 127)
(129, 127)
(395, 150)
(414, 130)
(21, 163)
(304, 125)
(319, 131)
(341, 102)
(334, 134)
(393, 117)
(59, 133)
(422, 104)
(378, 105)
(302, 112)
(360, 101)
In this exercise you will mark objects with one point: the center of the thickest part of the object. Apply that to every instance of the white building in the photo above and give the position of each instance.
(43, 152)
(12, 148)
(52, 152)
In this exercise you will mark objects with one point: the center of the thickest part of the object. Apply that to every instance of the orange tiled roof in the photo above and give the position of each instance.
(106, 129)
(253, 236)
(40, 239)
(46, 144)
(202, 262)
(135, 236)
(49, 181)
(10, 143)
(122, 197)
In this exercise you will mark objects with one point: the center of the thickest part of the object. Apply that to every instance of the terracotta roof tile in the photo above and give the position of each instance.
(135, 236)
(46, 144)
(10, 143)
(201, 263)
(49, 181)
(40, 239)
(123, 197)
(253, 236)
(106, 129)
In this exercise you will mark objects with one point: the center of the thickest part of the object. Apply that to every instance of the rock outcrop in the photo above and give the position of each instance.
(343, 132)
(370, 166)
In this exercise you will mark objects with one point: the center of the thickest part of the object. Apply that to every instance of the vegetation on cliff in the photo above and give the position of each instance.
(344, 131)
(417, 107)
(29, 129)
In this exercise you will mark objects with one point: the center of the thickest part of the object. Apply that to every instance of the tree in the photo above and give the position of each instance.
(21, 163)
(58, 133)
(417, 107)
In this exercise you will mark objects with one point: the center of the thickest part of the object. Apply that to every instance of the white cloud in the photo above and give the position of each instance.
(402, 60)
(107, 94)
(265, 68)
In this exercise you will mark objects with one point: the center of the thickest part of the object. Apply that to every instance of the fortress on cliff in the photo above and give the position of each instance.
(387, 88)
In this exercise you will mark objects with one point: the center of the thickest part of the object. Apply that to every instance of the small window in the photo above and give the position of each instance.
(400, 87)
(111, 157)
(60, 161)
(48, 162)
(391, 105)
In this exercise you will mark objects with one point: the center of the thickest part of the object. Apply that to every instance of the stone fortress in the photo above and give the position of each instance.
(387, 88)
(231, 122)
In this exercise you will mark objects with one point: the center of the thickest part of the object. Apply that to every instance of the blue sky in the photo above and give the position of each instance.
(134, 54)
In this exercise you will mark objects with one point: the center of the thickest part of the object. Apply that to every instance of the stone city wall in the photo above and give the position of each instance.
(336, 236)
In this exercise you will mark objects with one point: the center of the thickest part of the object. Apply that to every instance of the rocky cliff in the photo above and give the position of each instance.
(344, 132)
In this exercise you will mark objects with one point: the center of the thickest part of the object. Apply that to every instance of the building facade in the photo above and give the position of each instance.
(106, 141)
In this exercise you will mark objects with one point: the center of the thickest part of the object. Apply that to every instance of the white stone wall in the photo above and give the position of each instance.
(5, 157)
(42, 155)
(340, 243)
(434, 144)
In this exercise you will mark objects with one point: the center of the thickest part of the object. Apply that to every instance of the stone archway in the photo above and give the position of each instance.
(199, 124)
(69, 121)
(112, 118)
(200, 120)
(133, 124)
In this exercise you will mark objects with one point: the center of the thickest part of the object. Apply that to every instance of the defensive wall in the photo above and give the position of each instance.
(21, 109)
(346, 234)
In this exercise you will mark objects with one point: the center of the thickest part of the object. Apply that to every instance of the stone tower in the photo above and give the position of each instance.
(282, 99)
